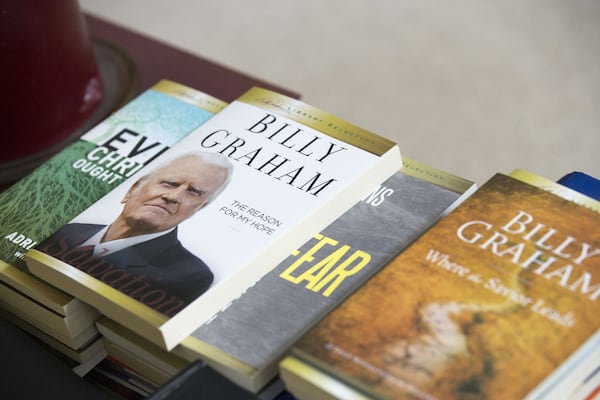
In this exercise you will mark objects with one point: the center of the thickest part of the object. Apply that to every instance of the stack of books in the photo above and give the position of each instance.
(498, 300)
(284, 248)
(269, 249)
(191, 202)
(39, 204)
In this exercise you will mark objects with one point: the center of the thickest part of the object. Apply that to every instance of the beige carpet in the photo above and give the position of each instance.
(473, 87)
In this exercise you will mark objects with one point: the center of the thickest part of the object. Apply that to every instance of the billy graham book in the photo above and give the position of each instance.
(487, 304)
(230, 201)
(246, 340)
(123, 144)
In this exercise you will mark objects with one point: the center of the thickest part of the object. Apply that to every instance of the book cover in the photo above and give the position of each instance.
(228, 203)
(502, 290)
(587, 374)
(65, 185)
(575, 378)
(583, 183)
(247, 339)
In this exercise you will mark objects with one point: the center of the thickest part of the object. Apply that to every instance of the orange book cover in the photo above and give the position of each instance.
(485, 305)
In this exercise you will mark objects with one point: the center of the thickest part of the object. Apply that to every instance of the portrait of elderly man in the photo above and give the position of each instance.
(139, 253)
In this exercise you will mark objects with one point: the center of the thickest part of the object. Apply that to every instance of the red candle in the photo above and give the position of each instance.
(50, 82)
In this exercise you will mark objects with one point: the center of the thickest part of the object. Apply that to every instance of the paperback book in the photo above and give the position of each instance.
(579, 377)
(73, 179)
(246, 340)
(120, 381)
(148, 371)
(72, 325)
(502, 289)
(131, 346)
(65, 185)
(166, 250)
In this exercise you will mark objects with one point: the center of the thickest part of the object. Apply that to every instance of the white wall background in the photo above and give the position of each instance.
(468, 86)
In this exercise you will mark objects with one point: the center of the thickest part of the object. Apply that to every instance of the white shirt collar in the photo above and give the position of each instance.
(102, 249)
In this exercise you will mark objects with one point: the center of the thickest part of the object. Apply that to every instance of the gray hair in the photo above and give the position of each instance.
(216, 159)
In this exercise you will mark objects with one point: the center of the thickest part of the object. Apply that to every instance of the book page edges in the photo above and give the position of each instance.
(52, 298)
(139, 347)
(291, 366)
(192, 349)
(107, 300)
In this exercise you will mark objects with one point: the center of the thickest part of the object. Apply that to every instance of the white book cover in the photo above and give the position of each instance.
(271, 172)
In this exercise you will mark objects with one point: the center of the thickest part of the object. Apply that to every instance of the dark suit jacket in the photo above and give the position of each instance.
(162, 261)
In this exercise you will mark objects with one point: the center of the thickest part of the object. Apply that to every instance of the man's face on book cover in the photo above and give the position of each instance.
(171, 194)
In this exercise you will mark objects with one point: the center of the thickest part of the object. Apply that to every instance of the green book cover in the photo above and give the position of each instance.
(86, 170)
